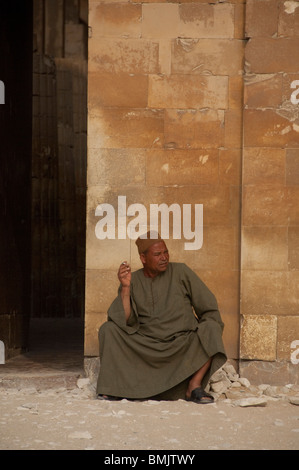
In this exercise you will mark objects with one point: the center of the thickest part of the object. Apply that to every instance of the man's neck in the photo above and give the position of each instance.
(149, 273)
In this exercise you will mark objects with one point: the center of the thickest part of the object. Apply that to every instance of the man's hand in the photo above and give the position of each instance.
(124, 274)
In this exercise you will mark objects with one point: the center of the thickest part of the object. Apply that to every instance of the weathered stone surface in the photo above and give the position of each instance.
(267, 55)
(202, 21)
(269, 292)
(93, 321)
(120, 128)
(271, 373)
(188, 92)
(239, 20)
(266, 204)
(119, 89)
(101, 289)
(287, 333)
(264, 248)
(264, 165)
(258, 337)
(233, 128)
(292, 167)
(293, 247)
(263, 90)
(115, 19)
(261, 18)
(207, 56)
(294, 400)
(116, 167)
(243, 381)
(160, 20)
(288, 22)
(194, 129)
(230, 167)
(123, 55)
(167, 167)
(267, 128)
(250, 401)
(216, 200)
(235, 99)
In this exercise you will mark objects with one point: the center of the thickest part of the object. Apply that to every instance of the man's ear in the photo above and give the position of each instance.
(142, 258)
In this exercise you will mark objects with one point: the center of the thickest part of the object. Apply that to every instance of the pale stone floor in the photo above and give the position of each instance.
(44, 406)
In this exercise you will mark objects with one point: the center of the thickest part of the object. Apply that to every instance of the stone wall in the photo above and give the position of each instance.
(270, 221)
(165, 84)
(190, 103)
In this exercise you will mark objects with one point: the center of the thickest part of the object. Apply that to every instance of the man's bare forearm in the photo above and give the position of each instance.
(126, 300)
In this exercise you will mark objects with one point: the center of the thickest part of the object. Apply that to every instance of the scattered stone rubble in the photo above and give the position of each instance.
(226, 384)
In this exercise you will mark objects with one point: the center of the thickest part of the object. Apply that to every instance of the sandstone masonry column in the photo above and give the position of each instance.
(270, 222)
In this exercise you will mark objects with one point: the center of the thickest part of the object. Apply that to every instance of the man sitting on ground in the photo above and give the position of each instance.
(163, 327)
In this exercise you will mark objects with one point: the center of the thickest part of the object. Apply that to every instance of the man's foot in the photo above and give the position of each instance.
(198, 395)
(108, 398)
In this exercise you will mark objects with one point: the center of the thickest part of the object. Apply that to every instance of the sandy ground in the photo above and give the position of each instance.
(73, 419)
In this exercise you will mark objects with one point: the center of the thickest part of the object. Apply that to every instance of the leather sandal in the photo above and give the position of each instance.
(198, 395)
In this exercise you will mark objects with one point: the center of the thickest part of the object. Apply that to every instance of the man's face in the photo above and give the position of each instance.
(155, 260)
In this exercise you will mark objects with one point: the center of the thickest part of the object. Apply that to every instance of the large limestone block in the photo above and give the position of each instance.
(206, 20)
(160, 20)
(264, 248)
(265, 204)
(116, 167)
(123, 55)
(267, 55)
(263, 90)
(185, 167)
(258, 337)
(288, 22)
(117, 89)
(193, 92)
(194, 129)
(125, 127)
(207, 56)
(267, 128)
(218, 209)
(261, 18)
(264, 165)
(115, 19)
(270, 292)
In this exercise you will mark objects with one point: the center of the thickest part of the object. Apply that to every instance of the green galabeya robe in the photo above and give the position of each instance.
(173, 329)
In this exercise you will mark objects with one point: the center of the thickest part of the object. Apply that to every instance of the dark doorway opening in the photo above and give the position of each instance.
(43, 175)
(58, 195)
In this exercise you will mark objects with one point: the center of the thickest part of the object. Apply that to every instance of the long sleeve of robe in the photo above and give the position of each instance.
(173, 329)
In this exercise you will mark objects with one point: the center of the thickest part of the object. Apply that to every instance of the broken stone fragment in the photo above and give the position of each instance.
(250, 401)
